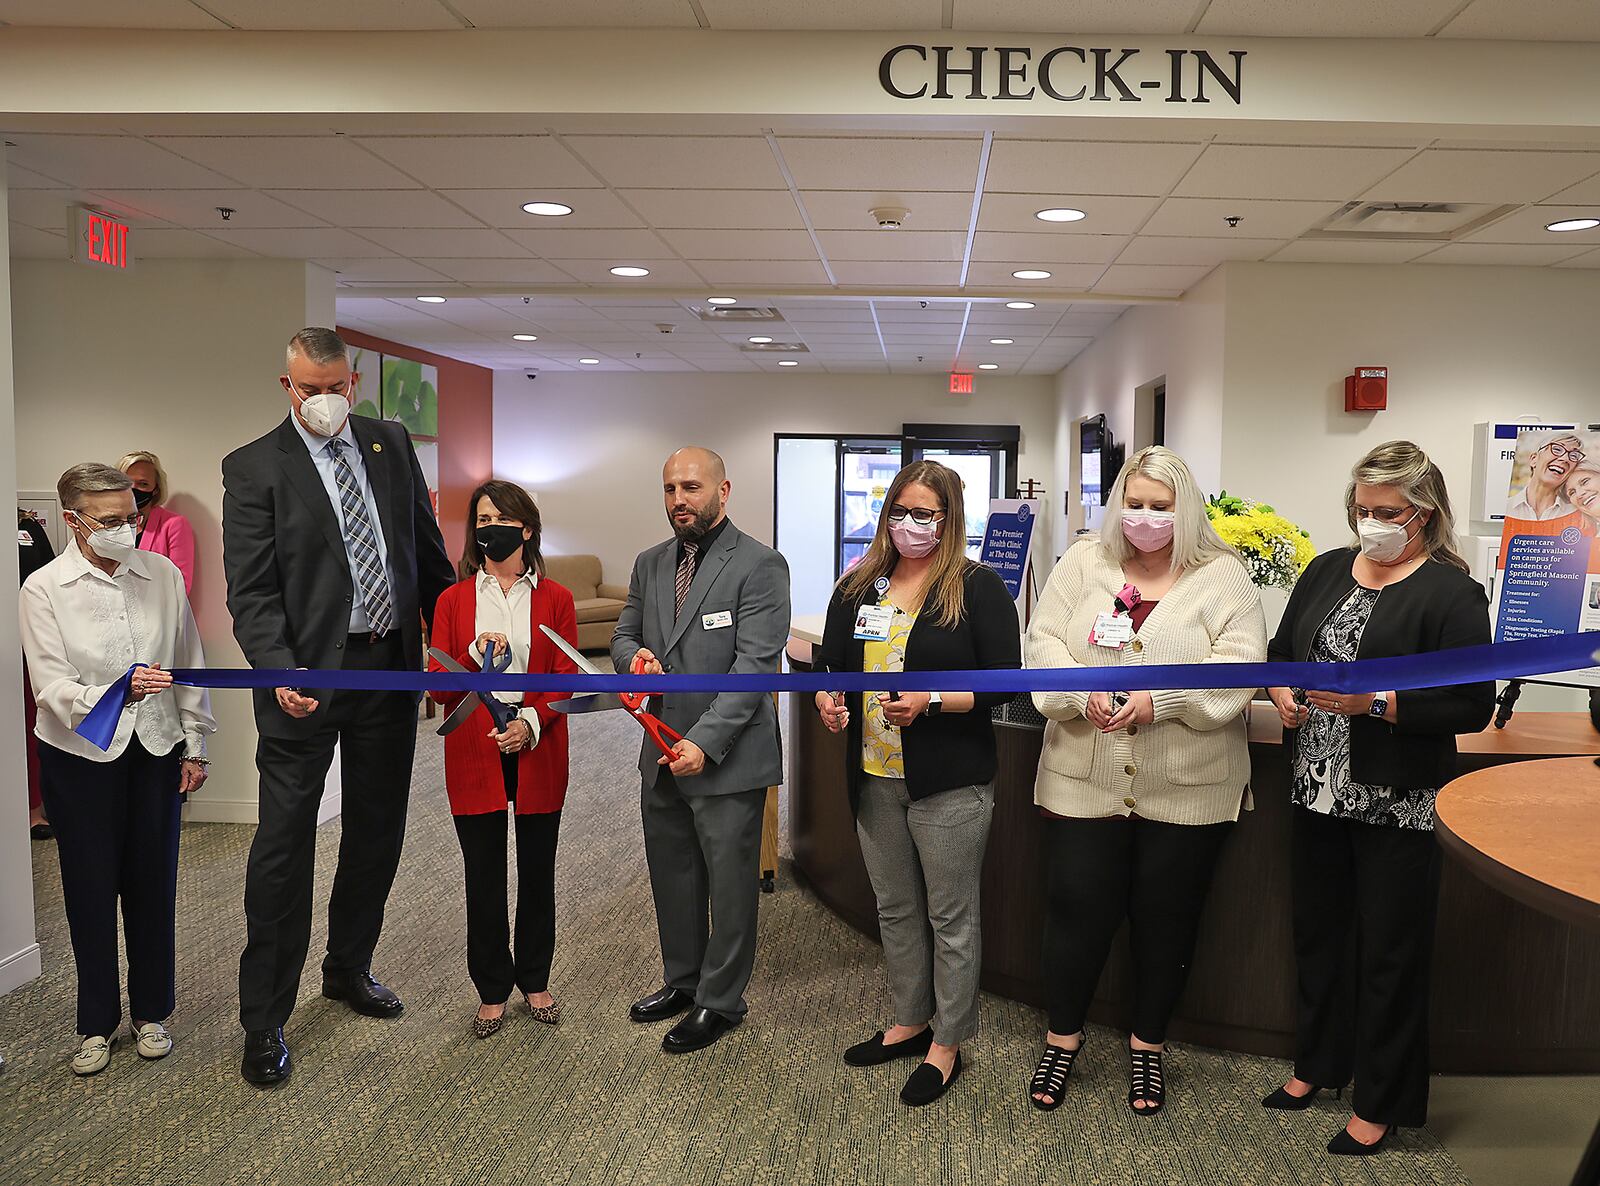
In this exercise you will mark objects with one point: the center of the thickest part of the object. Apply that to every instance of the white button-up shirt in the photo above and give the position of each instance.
(83, 629)
(509, 612)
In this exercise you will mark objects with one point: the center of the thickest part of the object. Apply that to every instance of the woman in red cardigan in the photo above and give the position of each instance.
(504, 598)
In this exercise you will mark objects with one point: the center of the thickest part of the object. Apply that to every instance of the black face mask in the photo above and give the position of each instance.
(143, 498)
(499, 540)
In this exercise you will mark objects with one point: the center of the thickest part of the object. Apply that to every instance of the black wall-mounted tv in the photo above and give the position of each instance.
(1101, 459)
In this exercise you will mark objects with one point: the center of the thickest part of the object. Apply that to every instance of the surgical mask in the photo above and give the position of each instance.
(325, 414)
(111, 543)
(499, 540)
(1383, 543)
(1149, 531)
(915, 540)
(143, 498)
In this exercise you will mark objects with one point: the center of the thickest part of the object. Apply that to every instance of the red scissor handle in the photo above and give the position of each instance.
(658, 730)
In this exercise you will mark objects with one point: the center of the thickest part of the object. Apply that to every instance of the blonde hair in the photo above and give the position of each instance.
(1406, 467)
(1195, 543)
(129, 460)
(945, 588)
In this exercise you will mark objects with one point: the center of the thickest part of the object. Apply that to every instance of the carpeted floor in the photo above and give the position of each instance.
(418, 1100)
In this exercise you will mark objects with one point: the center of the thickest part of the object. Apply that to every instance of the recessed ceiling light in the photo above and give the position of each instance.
(590, 362)
(722, 300)
(431, 300)
(1001, 341)
(525, 337)
(1031, 274)
(758, 340)
(1573, 224)
(988, 366)
(1019, 304)
(1059, 214)
(630, 270)
(547, 209)
(787, 362)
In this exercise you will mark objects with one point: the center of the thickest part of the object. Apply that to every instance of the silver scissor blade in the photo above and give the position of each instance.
(445, 661)
(570, 651)
(463, 710)
(595, 702)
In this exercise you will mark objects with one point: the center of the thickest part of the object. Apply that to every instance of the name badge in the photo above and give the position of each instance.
(24, 538)
(872, 622)
(1111, 630)
(717, 620)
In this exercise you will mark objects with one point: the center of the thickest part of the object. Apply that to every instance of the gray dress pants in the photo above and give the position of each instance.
(925, 858)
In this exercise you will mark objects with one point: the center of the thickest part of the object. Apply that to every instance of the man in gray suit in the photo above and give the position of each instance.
(709, 600)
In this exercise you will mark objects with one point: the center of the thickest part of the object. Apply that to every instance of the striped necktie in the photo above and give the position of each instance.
(362, 540)
(685, 577)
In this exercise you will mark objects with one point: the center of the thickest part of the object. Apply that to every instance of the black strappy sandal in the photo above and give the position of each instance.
(1051, 1075)
(1146, 1081)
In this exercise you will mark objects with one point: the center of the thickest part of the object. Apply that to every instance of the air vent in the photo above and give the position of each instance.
(740, 313)
(1427, 221)
(775, 348)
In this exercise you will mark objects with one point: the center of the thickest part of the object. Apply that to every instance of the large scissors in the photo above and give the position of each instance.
(658, 730)
(501, 712)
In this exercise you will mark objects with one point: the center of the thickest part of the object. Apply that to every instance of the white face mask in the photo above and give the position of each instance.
(325, 414)
(115, 544)
(1384, 543)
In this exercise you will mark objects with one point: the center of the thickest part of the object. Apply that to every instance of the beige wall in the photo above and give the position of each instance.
(179, 357)
(591, 446)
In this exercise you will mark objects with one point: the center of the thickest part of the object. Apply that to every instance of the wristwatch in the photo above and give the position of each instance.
(935, 704)
(1380, 706)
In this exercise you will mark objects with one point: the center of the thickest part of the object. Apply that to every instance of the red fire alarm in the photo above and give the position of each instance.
(1367, 390)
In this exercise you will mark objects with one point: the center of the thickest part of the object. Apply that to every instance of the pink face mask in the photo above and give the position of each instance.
(1149, 531)
(915, 540)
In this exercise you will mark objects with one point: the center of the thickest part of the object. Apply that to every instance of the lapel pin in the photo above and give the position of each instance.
(376, 447)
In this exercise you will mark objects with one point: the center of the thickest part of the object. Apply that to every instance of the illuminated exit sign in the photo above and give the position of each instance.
(100, 240)
(960, 384)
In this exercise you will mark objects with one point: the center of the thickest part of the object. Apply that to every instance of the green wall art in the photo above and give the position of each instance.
(411, 395)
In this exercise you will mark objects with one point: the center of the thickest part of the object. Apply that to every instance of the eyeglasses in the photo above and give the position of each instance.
(1383, 514)
(921, 516)
(109, 524)
(1557, 449)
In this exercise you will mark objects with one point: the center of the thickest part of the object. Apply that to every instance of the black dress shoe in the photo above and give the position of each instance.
(875, 1051)
(927, 1083)
(660, 1005)
(696, 1031)
(362, 993)
(1345, 1145)
(266, 1058)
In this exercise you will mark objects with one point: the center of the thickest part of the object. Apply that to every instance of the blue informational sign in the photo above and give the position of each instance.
(1008, 540)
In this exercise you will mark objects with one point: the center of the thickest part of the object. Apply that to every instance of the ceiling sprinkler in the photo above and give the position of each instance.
(226, 212)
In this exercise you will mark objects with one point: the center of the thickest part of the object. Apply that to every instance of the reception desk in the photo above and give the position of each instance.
(1513, 989)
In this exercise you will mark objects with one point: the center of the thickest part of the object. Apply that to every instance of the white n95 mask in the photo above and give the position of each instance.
(1383, 543)
(325, 414)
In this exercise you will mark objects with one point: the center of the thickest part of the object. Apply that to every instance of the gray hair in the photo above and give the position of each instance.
(1546, 439)
(317, 344)
(90, 477)
(1406, 467)
(1195, 543)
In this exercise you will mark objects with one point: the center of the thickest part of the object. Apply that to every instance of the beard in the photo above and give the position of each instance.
(703, 519)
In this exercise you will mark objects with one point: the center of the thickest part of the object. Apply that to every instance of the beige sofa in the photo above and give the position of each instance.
(598, 604)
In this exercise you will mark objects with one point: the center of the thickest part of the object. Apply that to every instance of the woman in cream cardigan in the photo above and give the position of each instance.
(1138, 790)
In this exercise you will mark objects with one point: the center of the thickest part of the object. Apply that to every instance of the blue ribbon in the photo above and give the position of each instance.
(1463, 665)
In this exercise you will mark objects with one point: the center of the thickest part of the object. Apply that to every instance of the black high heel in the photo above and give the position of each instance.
(1051, 1075)
(1146, 1081)
(1282, 1101)
(1345, 1145)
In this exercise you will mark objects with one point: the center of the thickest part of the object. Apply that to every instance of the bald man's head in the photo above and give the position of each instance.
(694, 483)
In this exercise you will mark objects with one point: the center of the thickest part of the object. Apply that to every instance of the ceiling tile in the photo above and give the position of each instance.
(743, 272)
(442, 242)
(1585, 192)
(1062, 276)
(1146, 278)
(893, 245)
(1287, 171)
(197, 208)
(822, 14)
(615, 247)
(305, 243)
(662, 272)
(1589, 259)
(298, 15)
(1045, 248)
(1456, 175)
(1348, 18)
(681, 162)
(1155, 249)
(1502, 254)
(378, 271)
(1086, 167)
(701, 209)
(1528, 226)
(110, 162)
(1356, 251)
(591, 208)
(489, 271)
(1259, 218)
(898, 274)
(532, 163)
(374, 208)
(1052, 16)
(888, 164)
(108, 14)
(730, 244)
(30, 243)
(16, 178)
(849, 210)
(286, 162)
(46, 209)
(1522, 20)
(1104, 215)
(176, 243)
(590, 14)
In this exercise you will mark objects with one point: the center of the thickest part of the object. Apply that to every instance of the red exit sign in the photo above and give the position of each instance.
(960, 384)
(101, 240)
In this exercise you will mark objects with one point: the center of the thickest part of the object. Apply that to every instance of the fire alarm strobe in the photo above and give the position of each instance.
(1367, 390)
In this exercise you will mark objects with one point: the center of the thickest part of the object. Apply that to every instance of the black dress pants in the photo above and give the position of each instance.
(1103, 870)
(493, 963)
(376, 733)
(116, 827)
(1365, 899)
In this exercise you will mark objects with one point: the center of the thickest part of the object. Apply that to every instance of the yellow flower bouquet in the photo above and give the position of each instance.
(1274, 550)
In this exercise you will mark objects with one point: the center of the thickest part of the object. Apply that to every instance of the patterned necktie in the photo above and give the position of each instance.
(685, 577)
(363, 541)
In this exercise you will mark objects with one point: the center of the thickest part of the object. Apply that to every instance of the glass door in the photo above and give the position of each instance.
(866, 467)
(982, 477)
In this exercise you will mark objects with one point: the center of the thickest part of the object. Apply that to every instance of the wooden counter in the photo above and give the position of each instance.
(1513, 991)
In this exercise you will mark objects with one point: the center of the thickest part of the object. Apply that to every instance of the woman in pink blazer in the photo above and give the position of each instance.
(160, 530)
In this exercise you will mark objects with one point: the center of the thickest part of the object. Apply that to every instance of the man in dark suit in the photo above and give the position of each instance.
(333, 556)
(709, 600)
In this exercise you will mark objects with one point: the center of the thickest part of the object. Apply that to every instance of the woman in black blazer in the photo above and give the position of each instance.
(920, 766)
(1366, 769)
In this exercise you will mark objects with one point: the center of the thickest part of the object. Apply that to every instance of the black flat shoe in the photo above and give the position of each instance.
(875, 1051)
(927, 1083)
(362, 993)
(41, 832)
(660, 1005)
(696, 1031)
(1146, 1081)
(1345, 1145)
(1050, 1076)
(266, 1058)
(1280, 1100)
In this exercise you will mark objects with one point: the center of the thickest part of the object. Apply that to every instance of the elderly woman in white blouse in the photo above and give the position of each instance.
(87, 616)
